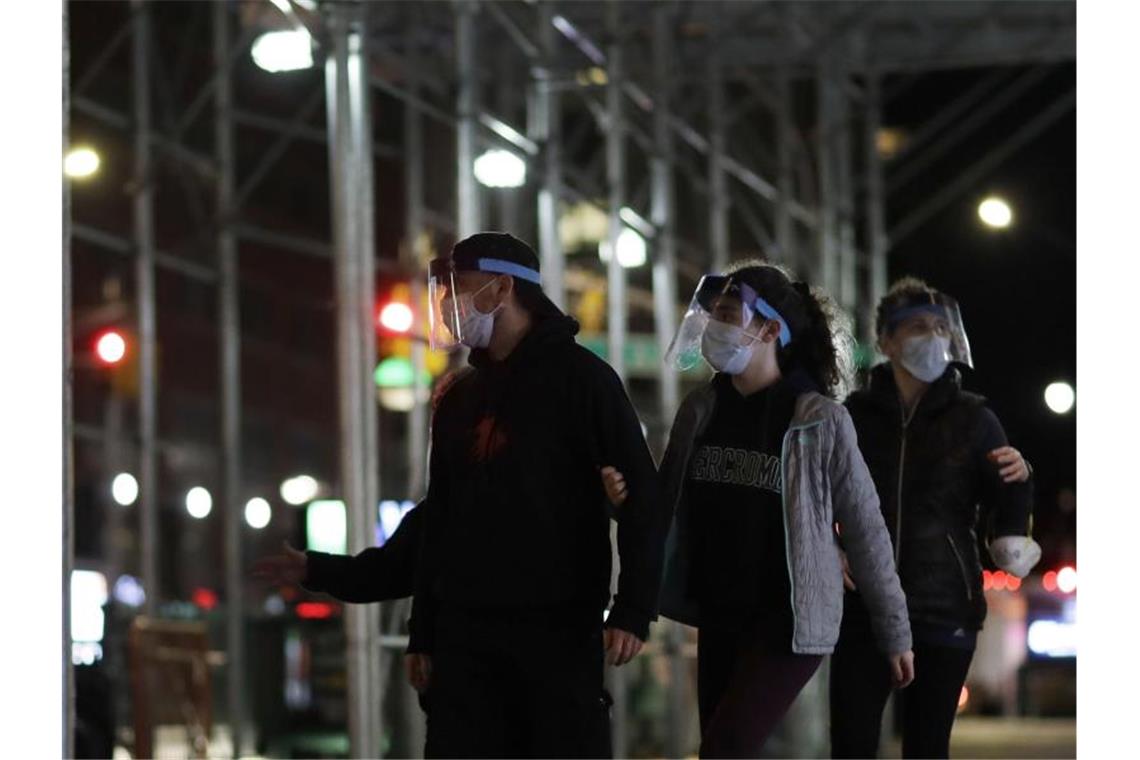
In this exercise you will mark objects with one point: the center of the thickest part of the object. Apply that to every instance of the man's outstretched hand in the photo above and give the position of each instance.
(287, 568)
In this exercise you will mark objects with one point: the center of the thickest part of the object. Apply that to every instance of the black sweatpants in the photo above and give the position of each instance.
(861, 686)
(745, 686)
(521, 685)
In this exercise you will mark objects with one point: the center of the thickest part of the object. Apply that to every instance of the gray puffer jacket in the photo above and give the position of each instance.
(824, 481)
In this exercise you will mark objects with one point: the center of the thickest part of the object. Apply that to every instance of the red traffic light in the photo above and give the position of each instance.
(396, 317)
(111, 347)
(204, 598)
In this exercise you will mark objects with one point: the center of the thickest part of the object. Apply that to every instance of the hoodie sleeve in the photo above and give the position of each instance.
(644, 517)
(377, 574)
(421, 624)
(865, 538)
(1007, 508)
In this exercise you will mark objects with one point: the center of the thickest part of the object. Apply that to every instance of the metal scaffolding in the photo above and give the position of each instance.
(229, 319)
(351, 169)
(609, 123)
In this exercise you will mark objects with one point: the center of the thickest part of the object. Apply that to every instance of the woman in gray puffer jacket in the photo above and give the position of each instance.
(761, 465)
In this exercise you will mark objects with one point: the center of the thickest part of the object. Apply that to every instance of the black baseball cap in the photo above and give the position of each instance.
(503, 253)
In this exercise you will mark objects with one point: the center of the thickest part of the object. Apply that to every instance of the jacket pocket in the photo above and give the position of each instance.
(961, 567)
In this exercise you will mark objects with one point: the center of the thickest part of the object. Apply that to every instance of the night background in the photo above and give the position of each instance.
(1016, 286)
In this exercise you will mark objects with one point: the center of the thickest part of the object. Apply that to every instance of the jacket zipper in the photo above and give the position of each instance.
(898, 501)
(961, 566)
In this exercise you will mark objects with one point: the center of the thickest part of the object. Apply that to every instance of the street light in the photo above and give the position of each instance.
(995, 212)
(1067, 580)
(500, 168)
(1060, 397)
(257, 513)
(125, 489)
(290, 50)
(199, 502)
(81, 163)
(299, 490)
(631, 249)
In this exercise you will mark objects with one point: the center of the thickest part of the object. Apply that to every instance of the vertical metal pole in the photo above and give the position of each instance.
(615, 174)
(467, 79)
(230, 361)
(664, 319)
(350, 163)
(785, 232)
(840, 131)
(410, 722)
(718, 139)
(825, 273)
(414, 224)
(68, 501)
(144, 261)
(366, 517)
(508, 199)
(546, 130)
(616, 306)
(663, 213)
(876, 217)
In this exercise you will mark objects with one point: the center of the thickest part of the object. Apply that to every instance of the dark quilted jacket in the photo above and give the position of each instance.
(938, 491)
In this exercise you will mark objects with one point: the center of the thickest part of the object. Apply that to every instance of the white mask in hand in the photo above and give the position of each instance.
(1017, 555)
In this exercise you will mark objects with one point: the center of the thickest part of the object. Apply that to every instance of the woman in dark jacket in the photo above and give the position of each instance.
(936, 452)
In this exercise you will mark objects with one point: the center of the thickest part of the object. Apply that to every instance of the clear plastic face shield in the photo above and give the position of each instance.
(725, 301)
(929, 314)
(453, 314)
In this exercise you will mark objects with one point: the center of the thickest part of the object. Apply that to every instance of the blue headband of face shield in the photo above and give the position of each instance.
(898, 316)
(756, 303)
(499, 266)
(768, 312)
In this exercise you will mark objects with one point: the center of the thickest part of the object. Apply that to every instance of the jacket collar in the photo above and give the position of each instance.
(943, 391)
(798, 384)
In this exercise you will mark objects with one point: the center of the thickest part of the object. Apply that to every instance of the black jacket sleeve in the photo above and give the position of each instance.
(1007, 508)
(421, 624)
(377, 574)
(644, 517)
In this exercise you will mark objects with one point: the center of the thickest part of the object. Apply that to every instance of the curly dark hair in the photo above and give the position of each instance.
(821, 344)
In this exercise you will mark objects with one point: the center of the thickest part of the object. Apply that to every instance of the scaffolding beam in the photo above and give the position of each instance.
(466, 73)
(143, 218)
(546, 131)
(229, 320)
(877, 242)
(350, 165)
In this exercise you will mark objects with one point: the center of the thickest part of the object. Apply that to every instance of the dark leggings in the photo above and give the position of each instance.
(744, 687)
(861, 685)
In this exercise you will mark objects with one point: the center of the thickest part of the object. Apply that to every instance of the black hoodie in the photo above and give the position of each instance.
(516, 517)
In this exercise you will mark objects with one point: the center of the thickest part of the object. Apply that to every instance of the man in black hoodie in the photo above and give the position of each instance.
(507, 635)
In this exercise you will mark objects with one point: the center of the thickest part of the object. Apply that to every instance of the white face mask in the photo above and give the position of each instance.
(475, 326)
(926, 356)
(720, 345)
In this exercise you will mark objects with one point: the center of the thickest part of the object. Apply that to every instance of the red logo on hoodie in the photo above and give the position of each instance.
(489, 440)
